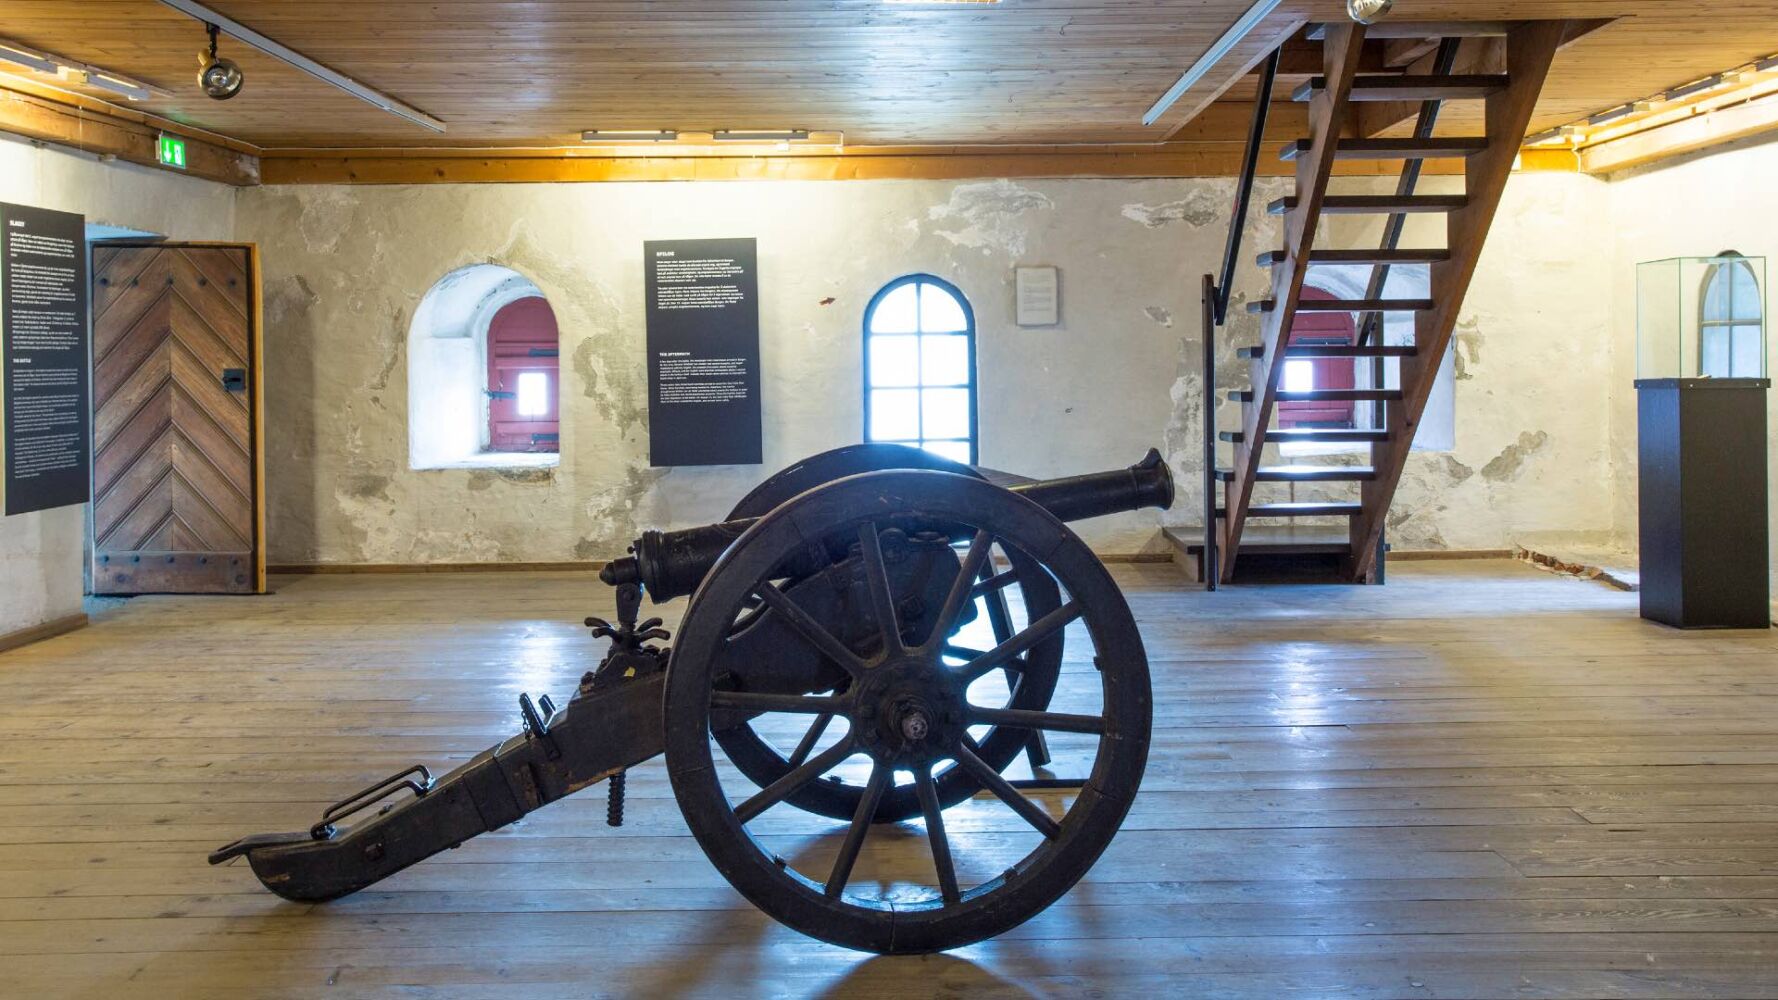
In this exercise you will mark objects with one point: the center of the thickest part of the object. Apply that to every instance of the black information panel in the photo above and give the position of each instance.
(44, 424)
(703, 352)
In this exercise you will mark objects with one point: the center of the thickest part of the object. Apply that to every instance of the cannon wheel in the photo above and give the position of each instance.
(764, 763)
(910, 710)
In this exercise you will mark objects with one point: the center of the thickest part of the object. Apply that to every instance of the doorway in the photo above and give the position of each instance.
(178, 451)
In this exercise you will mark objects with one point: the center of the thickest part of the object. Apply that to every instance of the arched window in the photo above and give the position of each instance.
(483, 373)
(919, 367)
(1732, 306)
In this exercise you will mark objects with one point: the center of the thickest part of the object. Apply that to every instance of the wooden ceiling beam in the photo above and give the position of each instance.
(107, 135)
(1688, 135)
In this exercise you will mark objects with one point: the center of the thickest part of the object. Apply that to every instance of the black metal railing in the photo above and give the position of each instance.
(1216, 306)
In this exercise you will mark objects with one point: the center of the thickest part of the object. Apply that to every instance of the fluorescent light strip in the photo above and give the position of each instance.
(277, 50)
(28, 58)
(630, 135)
(763, 135)
(1217, 52)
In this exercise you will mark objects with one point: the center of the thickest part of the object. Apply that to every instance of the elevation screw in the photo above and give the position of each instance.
(614, 802)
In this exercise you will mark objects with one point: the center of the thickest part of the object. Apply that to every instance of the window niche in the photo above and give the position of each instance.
(483, 375)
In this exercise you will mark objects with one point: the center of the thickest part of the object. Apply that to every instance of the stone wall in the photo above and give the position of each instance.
(347, 266)
(42, 554)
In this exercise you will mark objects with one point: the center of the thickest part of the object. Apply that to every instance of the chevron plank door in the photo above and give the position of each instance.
(176, 463)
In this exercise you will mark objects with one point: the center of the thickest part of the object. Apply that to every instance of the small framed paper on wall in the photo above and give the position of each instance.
(1039, 296)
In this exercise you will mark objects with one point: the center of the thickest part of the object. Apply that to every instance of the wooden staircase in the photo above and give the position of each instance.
(1488, 159)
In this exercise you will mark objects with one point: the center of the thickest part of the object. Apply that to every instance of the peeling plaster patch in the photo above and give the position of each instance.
(1508, 463)
(480, 480)
(1198, 209)
(1469, 348)
(1457, 471)
(589, 550)
(367, 487)
(991, 214)
(1162, 316)
(612, 512)
(527, 477)
(392, 352)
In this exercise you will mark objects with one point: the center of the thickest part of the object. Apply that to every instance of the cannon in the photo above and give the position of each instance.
(876, 637)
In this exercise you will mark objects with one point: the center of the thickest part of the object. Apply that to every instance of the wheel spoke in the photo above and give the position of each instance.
(777, 791)
(991, 779)
(935, 832)
(992, 584)
(945, 623)
(882, 596)
(1021, 719)
(807, 745)
(796, 704)
(861, 821)
(1036, 633)
(810, 629)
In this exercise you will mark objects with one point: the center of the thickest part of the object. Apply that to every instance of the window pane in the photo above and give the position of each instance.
(944, 360)
(1299, 376)
(1746, 303)
(1748, 355)
(894, 414)
(956, 451)
(940, 312)
(897, 312)
(533, 394)
(894, 361)
(946, 413)
(1713, 352)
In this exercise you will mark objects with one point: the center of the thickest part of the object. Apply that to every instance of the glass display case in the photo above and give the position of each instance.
(1701, 317)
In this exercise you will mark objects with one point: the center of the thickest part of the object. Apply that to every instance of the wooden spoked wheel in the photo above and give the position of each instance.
(909, 708)
(1002, 602)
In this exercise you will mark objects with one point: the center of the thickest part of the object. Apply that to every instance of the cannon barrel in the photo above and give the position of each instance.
(671, 564)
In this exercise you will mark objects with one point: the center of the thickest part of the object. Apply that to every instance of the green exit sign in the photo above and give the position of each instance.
(170, 150)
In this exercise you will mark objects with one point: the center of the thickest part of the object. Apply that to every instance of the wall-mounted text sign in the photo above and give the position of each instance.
(45, 367)
(703, 352)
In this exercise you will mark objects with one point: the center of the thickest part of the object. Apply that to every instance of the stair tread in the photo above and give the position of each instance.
(1334, 351)
(1324, 395)
(1299, 435)
(1375, 204)
(1272, 258)
(1299, 509)
(1418, 87)
(1347, 305)
(1305, 473)
(1393, 149)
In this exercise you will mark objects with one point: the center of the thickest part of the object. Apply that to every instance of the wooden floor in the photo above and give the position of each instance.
(1478, 781)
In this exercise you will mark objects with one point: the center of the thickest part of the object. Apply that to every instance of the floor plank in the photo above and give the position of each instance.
(1477, 781)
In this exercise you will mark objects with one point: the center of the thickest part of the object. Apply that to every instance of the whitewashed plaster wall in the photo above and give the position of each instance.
(1696, 206)
(41, 554)
(347, 266)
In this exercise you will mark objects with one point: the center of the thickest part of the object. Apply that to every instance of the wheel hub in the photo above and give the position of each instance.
(910, 711)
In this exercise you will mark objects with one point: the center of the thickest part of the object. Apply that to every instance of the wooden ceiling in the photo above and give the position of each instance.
(538, 72)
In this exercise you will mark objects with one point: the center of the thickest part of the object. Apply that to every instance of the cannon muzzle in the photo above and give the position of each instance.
(671, 564)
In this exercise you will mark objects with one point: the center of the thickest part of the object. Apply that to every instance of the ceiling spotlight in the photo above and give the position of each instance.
(220, 78)
(1368, 11)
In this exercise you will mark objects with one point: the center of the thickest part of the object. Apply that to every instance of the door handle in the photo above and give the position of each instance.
(234, 379)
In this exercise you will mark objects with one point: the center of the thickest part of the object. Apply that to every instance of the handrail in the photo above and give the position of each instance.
(1216, 305)
(1256, 133)
(1210, 564)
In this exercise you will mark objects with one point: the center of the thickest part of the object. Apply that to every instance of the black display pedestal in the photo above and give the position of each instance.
(1704, 508)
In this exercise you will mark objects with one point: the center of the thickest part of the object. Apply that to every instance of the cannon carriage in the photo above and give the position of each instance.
(877, 636)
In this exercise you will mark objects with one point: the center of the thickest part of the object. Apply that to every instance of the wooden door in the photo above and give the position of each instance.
(1321, 329)
(177, 471)
(523, 378)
